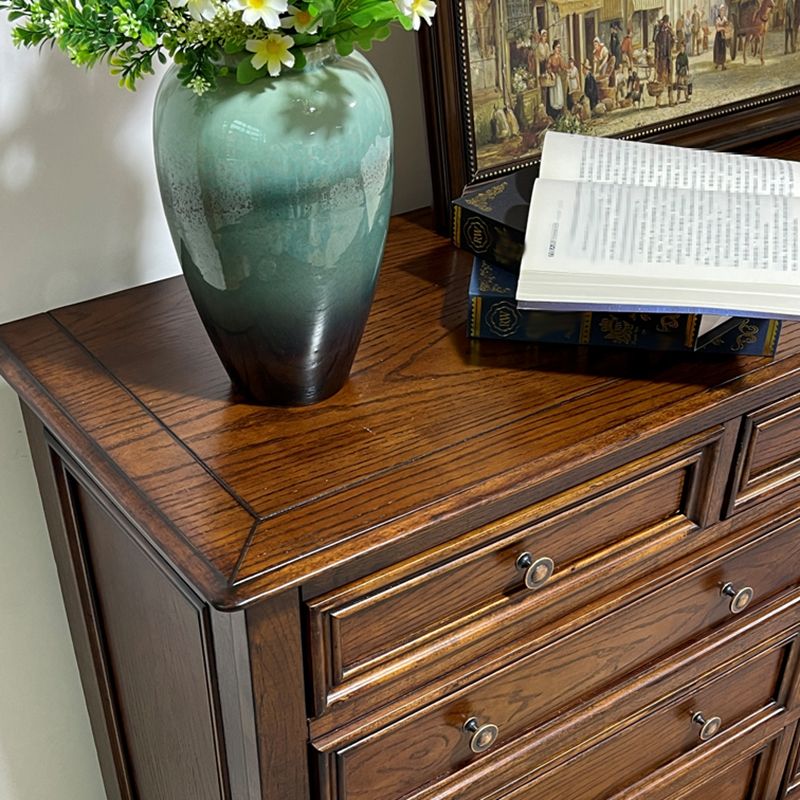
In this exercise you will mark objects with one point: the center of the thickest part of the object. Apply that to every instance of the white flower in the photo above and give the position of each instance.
(417, 10)
(300, 20)
(198, 9)
(267, 11)
(272, 51)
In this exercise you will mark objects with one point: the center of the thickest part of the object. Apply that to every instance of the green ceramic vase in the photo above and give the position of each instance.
(278, 196)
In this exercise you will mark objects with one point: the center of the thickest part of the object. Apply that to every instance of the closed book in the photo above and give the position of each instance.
(493, 314)
(489, 220)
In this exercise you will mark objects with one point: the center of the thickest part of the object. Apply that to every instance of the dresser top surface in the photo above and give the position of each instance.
(433, 434)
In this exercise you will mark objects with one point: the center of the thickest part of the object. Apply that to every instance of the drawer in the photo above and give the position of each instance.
(661, 739)
(646, 507)
(396, 760)
(768, 460)
(734, 783)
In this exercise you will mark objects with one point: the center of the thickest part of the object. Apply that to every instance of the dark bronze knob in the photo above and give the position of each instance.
(483, 736)
(709, 728)
(537, 570)
(740, 598)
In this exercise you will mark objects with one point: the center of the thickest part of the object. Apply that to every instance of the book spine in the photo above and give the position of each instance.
(488, 239)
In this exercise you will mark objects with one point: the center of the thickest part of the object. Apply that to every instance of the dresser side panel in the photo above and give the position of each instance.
(156, 637)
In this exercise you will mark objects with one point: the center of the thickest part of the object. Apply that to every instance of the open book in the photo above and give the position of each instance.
(629, 226)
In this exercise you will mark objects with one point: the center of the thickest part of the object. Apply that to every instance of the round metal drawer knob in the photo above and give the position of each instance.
(483, 736)
(709, 728)
(537, 570)
(740, 598)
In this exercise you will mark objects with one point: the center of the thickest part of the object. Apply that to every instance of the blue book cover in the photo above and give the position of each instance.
(493, 314)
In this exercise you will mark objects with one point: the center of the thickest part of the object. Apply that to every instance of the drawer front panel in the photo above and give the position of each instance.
(432, 742)
(370, 622)
(769, 456)
(664, 736)
(735, 783)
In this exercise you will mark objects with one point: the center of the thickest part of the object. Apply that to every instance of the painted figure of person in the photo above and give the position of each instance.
(574, 90)
(600, 57)
(627, 47)
(680, 35)
(590, 89)
(614, 44)
(697, 30)
(683, 82)
(720, 45)
(542, 52)
(790, 28)
(664, 42)
(555, 93)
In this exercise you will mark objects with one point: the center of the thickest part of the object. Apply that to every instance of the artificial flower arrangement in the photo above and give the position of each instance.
(207, 38)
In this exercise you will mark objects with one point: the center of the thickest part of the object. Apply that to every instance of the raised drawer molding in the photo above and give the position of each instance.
(480, 572)
(769, 457)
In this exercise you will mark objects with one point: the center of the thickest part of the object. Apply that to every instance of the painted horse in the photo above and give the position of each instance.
(753, 24)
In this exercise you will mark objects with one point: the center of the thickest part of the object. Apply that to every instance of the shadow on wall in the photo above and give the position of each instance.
(79, 207)
(397, 62)
(46, 749)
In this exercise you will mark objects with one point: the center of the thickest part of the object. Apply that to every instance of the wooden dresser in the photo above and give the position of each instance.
(483, 571)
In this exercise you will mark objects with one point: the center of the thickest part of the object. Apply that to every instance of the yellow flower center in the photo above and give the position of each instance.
(257, 4)
(303, 17)
(274, 47)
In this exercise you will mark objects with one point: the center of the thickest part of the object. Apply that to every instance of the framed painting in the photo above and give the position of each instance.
(499, 73)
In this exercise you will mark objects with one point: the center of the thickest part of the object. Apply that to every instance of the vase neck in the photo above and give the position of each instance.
(321, 54)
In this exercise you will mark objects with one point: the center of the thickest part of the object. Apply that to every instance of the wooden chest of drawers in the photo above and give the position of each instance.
(483, 571)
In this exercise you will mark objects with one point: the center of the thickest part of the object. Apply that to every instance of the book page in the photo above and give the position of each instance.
(573, 157)
(676, 249)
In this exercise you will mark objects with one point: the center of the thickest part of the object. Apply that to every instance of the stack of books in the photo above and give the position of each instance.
(635, 245)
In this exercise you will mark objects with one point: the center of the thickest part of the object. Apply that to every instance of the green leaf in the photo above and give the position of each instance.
(344, 44)
(299, 58)
(233, 46)
(110, 39)
(148, 37)
(247, 73)
(142, 11)
(406, 22)
(363, 18)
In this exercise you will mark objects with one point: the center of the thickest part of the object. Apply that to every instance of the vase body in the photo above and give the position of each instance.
(278, 196)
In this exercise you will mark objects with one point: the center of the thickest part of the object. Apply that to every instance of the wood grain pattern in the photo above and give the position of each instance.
(769, 457)
(155, 638)
(553, 678)
(664, 736)
(362, 624)
(433, 436)
(276, 664)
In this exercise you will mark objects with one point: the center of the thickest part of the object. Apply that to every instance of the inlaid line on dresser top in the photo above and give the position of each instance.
(432, 437)
(530, 691)
(649, 505)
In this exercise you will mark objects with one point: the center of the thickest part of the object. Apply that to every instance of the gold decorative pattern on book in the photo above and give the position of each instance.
(619, 331)
(487, 282)
(482, 199)
(748, 333)
(667, 323)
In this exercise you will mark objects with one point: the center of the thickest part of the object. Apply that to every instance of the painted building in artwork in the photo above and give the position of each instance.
(502, 42)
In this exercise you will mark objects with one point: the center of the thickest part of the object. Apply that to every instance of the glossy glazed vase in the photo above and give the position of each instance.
(278, 197)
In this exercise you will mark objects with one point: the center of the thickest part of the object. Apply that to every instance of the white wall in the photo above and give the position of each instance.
(80, 216)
